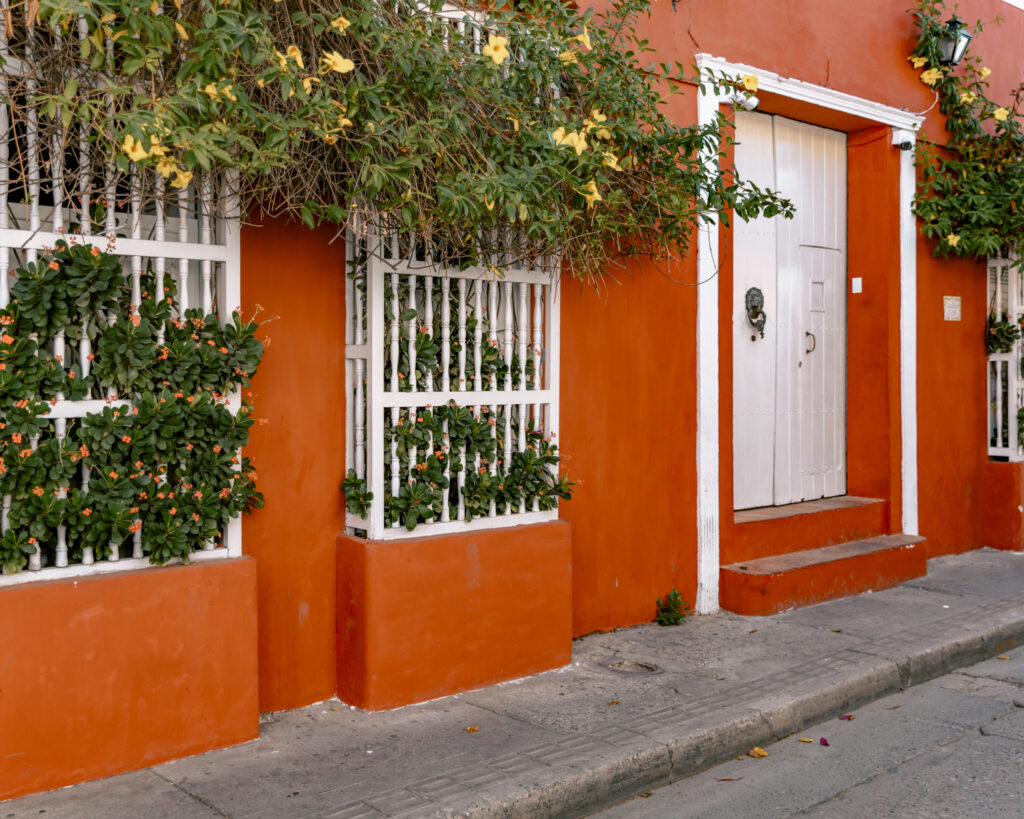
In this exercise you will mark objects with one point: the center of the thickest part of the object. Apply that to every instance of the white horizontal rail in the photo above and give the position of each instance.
(467, 398)
(106, 567)
(117, 245)
(454, 526)
(440, 273)
(80, 409)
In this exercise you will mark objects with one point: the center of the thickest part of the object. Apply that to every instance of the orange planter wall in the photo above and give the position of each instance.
(299, 453)
(117, 672)
(431, 616)
(1004, 506)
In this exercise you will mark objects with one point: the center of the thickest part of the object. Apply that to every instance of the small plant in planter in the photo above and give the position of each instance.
(1000, 333)
(672, 610)
(15, 547)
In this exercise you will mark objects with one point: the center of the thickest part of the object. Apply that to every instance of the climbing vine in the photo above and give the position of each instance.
(970, 198)
(458, 124)
(162, 459)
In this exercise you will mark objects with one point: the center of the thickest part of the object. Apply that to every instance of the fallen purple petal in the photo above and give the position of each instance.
(823, 741)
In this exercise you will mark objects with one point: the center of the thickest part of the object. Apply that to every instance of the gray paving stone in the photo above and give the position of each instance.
(128, 796)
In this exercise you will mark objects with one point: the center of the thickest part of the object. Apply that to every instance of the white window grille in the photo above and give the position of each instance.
(1005, 382)
(492, 331)
(52, 187)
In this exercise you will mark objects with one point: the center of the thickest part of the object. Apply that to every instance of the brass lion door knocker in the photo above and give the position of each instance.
(756, 316)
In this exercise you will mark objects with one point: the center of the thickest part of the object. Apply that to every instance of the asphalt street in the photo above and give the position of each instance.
(952, 747)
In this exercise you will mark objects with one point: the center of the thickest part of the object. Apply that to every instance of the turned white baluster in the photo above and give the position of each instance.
(183, 206)
(60, 426)
(87, 554)
(446, 356)
(522, 334)
(446, 320)
(136, 233)
(32, 143)
(35, 560)
(5, 168)
(412, 328)
(462, 334)
(360, 407)
(428, 323)
(205, 238)
(492, 325)
(159, 263)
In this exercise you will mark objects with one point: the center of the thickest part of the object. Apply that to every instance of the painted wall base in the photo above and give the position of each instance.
(432, 616)
(116, 672)
(1004, 506)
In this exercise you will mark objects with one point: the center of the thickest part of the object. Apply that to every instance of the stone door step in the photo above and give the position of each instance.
(768, 585)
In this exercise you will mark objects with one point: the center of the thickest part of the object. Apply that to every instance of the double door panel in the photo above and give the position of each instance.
(789, 386)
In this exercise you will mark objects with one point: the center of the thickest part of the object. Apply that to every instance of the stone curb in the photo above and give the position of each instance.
(615, 774)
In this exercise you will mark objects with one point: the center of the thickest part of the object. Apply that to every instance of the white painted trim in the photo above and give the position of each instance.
(452, 526)
(418, 268)
(468, 398)
(125, 564)
(708, 466)
(773, 83)
(1015, 3)
(117, 246)
(908, 332)
(708, 487)
(229, 297)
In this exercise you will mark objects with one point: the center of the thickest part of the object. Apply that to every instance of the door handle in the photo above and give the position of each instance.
(814, 342)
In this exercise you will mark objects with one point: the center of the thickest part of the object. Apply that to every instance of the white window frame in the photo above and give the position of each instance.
(532, 289)
(1004, 369)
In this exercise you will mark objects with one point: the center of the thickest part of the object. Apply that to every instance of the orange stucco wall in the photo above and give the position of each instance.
(117, 672)
(430, 616)
(298, 277)
(628, 367)
(814, 42)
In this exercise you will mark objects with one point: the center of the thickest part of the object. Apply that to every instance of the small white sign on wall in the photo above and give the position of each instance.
(951, 308)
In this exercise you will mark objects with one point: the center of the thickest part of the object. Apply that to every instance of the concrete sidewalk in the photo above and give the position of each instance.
(637, 708)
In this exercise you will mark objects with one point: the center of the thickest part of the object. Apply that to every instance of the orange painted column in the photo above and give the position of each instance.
(951, 366)
(115, 672)
(628, 434)
(298, 277)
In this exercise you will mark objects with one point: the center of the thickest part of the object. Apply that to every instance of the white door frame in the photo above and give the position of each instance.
(904, 128)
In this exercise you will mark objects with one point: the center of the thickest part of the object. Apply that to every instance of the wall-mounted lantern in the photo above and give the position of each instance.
(953, 42)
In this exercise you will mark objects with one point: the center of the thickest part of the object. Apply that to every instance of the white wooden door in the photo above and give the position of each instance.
(789, 387)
